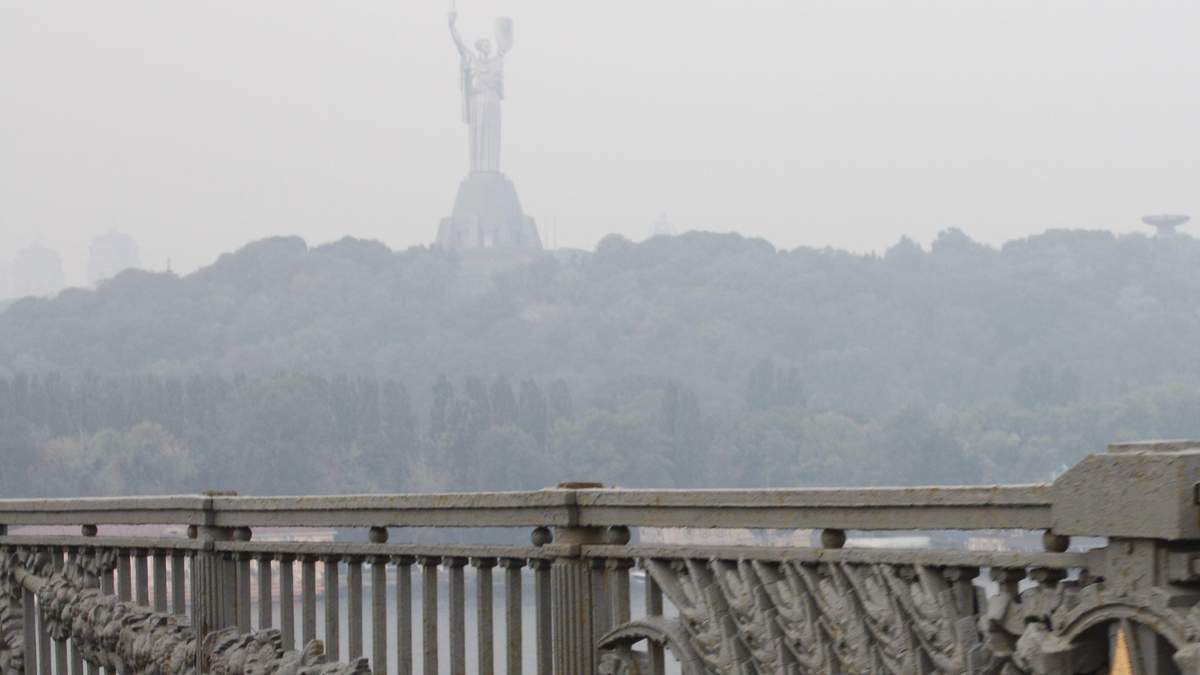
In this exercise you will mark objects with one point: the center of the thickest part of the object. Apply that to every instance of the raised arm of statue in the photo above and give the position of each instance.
(458, 41)
(504, 35)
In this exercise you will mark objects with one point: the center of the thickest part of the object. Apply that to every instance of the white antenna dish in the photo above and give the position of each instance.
(1167, 222)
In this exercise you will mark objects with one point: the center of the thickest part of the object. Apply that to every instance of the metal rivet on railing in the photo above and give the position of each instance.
(541, 536)
(617, 535)
(833, 538)
(1055, 543)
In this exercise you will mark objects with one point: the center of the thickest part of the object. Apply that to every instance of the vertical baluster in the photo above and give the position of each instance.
(404, 655)
(961, 587)
(124, 584)
(29, 614)
(229, 590)
(266, 599)
(60, 646)
(513, 602)
(287, 602)
(243, 591)
(1008, 581)
(308, 600)
(541, 590)
(379, 660)
(483, 614)
(141, 577)
(104, 580)
(618, 574)
(43, 635)
(458, 617)
(178, 583)
(108, 587)
(333, 605)
(76, 658)
(213, 586)
(654, 607)
(355, 608)
(160, 581)
(429, 613)
(601, 613)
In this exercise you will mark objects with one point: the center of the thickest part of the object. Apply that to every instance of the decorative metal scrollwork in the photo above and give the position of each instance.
(619, 658)
(128, 638)
(12, 637)
(753, 617)
(764, 617)
(623, 660)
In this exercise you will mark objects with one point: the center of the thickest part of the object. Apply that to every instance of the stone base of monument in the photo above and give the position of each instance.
(487, 214)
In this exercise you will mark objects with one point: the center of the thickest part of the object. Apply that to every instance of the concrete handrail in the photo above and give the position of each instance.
(974, 507)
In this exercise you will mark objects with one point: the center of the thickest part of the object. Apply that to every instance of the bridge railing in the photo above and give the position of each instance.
(587, 595)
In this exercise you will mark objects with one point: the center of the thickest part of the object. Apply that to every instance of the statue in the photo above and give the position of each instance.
(487, 212)
(483, 90)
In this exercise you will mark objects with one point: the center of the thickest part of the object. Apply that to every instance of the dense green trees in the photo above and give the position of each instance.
(695, 360)
(306, 434)
(277, 434)
(953, 325)
(143, 460)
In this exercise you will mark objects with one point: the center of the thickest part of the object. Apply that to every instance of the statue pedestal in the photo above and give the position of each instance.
(487, 214)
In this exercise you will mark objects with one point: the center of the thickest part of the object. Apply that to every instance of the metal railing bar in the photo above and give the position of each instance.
(131, 543)
(898, 556)
(339, 549)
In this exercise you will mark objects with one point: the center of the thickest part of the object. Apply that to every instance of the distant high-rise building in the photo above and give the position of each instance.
(662, 227)
(111, 253)
(36, 271)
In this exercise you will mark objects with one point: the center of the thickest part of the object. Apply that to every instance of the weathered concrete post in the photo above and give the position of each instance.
(1144, 497)
(573, 586)
(210, 581)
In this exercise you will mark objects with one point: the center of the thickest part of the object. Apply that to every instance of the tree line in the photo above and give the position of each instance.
(955, 323)
(306, 434)
(699, 360)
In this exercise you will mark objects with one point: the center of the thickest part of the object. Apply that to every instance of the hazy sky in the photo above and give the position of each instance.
(197, 126)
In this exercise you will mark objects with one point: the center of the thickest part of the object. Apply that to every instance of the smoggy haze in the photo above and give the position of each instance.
(196, 127)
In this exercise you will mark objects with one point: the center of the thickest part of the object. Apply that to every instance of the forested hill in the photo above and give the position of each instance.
(701, 360)
(1059, 317)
